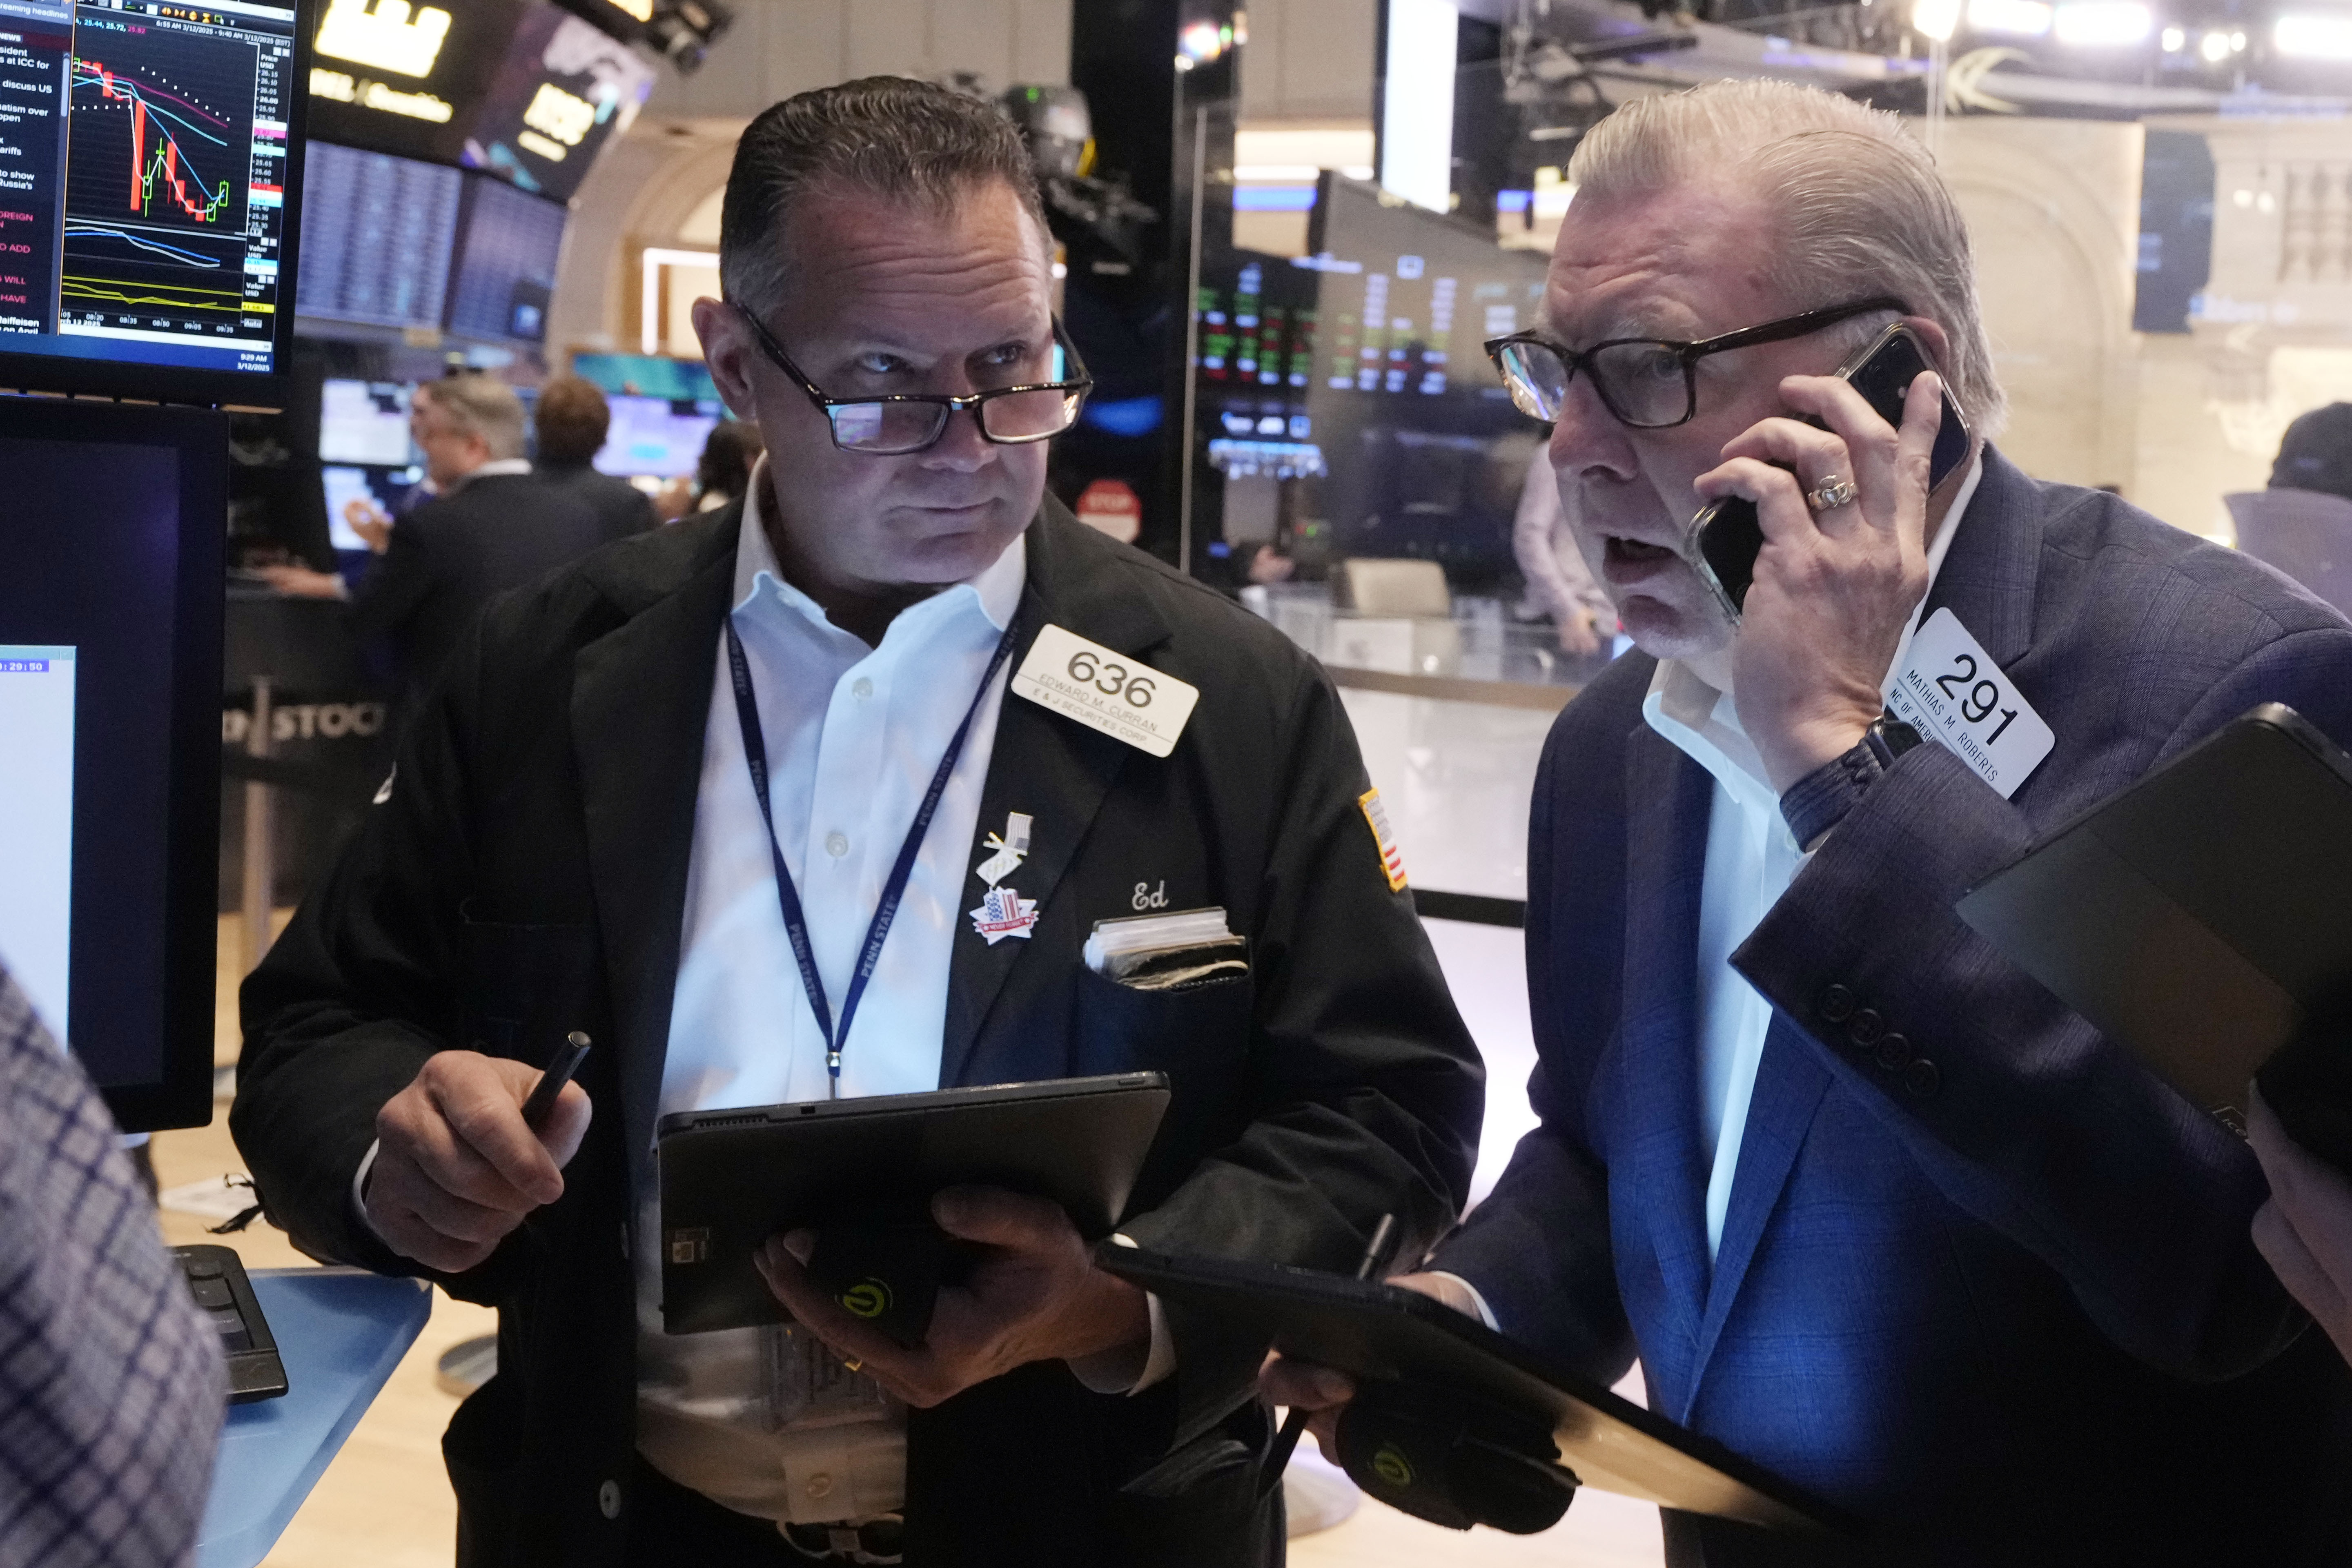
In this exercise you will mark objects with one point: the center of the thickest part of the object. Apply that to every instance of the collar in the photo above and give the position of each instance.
(492, 469)
(1704, 723)
(995, 589)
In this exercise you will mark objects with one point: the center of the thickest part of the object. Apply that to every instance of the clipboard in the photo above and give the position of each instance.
(731, 1179)
(2201, 916)
(1377, 1332)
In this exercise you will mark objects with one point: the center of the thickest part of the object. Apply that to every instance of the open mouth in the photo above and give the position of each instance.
(1634, 552)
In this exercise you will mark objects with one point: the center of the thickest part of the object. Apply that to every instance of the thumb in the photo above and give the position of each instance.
(995, 1217)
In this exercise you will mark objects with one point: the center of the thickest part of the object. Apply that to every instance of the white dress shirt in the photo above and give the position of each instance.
(1751, 860)
(765, 1421)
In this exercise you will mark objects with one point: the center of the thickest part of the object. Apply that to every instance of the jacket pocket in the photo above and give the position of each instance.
(483, 1451)
(1199, 1036)
(526, 986)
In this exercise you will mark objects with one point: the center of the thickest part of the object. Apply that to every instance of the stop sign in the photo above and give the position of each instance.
(1112, 507)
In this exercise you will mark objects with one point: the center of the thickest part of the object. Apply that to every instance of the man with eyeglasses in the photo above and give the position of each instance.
(756, 802)
(1870, 1206)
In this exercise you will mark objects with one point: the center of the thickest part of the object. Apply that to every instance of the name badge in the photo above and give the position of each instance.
(1105, 690)
(1950, 690)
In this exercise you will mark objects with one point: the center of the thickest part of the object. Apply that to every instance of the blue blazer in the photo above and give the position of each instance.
(1983, 1281)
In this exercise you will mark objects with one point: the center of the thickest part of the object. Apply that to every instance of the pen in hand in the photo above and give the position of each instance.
(1285, 1442)
(559, 1068)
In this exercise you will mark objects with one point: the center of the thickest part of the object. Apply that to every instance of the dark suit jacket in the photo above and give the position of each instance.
(621, 508)
(1982, 1284)
(528, 875)
(454, 554)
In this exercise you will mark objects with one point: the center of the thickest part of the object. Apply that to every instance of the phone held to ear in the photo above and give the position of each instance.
(1725, 537)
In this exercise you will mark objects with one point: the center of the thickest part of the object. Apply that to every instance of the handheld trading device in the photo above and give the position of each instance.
(1727, 536)
(862, 1172)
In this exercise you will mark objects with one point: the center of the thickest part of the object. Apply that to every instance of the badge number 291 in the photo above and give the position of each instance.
(1952, 692)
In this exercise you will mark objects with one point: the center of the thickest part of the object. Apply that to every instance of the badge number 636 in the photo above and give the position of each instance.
(1111, 679)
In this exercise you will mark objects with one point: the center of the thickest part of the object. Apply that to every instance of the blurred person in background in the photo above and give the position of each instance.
(2316, 453)
(491, 526)
(728, 455)
(1558, 582)
(572, 420)
(112, 1386)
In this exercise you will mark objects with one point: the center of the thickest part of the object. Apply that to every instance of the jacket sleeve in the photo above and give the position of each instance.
(1365, 1091)
(1537, 1248)
(354, 995)
(2026, 1116)
(397, 584)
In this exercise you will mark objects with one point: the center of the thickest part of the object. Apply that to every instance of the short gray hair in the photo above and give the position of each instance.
(888, 136)
(480, 405)
(1860, 206)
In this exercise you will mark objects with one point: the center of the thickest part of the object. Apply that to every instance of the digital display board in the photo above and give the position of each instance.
(393, 77)
(564, 90)
(506, 263)
(378, 234)
(147, 155)
(366, 421)
(656, 436)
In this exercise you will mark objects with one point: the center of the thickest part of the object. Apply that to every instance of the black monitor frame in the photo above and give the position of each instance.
(183, 1096)
(237, 390)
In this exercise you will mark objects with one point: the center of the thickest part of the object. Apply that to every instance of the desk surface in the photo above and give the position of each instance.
(339, 1331)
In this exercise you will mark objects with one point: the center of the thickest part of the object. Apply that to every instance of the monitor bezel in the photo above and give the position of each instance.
(239, 390)
(182, 1095)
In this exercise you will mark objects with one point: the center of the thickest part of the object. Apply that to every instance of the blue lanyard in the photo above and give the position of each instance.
(755, 754)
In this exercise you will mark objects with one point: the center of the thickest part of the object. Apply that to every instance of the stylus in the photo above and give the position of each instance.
(1285, 1442)
(568, 1057)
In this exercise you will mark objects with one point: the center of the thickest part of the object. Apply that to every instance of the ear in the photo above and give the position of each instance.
(1939, 343)
(728, 350)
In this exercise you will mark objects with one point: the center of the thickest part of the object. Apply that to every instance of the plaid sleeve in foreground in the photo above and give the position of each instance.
(111, 1382)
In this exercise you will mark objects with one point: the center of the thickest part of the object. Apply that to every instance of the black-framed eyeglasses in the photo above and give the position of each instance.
(903, 421)
(1649, 383)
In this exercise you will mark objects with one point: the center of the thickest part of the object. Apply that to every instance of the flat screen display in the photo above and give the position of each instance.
(652, 435)
(365, 422)
(150, 153)
(378, 233)
(406, 76)
(375, 491)
(649, 375)
(110, 738)
(506, 263)
(565, 89)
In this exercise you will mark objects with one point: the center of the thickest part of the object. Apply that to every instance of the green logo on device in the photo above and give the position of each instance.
(1390, 1464)
(867, 1298)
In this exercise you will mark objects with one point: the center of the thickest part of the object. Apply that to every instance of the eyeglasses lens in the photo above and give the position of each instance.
(1537, 378)
(1644, 382)
(1029, 415)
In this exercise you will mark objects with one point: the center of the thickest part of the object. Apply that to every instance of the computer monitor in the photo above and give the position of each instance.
(395, 76)
(656, 438)
(378, 236)
(509, 244)
(111, 613)
(648, 375)
(565, 89)
(153, 159)
(366, 421)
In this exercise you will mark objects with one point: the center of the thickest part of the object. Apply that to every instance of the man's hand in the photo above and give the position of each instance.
(304, 583)
(370, 521)
(457, 1167)
(1833, 591)
(1323, 1393)
(1579, 632)
(1036, 1296)
(2306, 1228)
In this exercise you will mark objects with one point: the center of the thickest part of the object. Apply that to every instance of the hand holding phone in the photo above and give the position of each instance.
(1727, 536)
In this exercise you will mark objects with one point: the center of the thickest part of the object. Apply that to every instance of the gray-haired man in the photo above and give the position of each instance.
(1871, 1207)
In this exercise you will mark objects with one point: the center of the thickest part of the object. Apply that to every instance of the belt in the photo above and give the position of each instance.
(876, 1541)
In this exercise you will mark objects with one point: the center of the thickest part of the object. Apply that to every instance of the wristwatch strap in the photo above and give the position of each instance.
(1818, 801)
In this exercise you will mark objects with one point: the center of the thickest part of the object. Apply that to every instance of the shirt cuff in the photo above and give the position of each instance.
(359, 1190)
(1118, 1370)
(1486, 1313)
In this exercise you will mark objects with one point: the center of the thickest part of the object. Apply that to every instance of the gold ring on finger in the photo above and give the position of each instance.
(1832, 495)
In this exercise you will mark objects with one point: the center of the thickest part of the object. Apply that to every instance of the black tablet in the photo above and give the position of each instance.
(731, 1179)
(2202, 914)
(1374, 1332)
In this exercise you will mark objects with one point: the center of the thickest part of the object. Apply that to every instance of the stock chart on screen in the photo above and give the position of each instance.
(143, 156)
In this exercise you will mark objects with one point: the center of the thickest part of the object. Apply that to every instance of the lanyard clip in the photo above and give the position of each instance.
(833, 1062)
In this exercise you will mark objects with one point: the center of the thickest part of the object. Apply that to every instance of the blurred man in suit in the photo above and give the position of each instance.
(111, 1382)
(1872, 1207)
(571, 419)
(490, 527)
(2315, 454)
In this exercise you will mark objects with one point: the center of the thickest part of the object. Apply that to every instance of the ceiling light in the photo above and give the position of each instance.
(2021, 18)
(2314, 37)
(1935, 19)
(2104, 22)
(2214, 46)
(2175, 40)
(2236, 42)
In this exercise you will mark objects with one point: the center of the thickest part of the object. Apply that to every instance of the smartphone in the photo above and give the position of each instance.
(1725, 537)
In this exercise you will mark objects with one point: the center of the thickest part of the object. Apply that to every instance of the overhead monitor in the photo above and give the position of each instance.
(508, 248)
(366, 421)
(564, 90)
(396, 77)
(151, 160)
(378, 236)
(110, 616)
(658, 437)
(648, 375)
